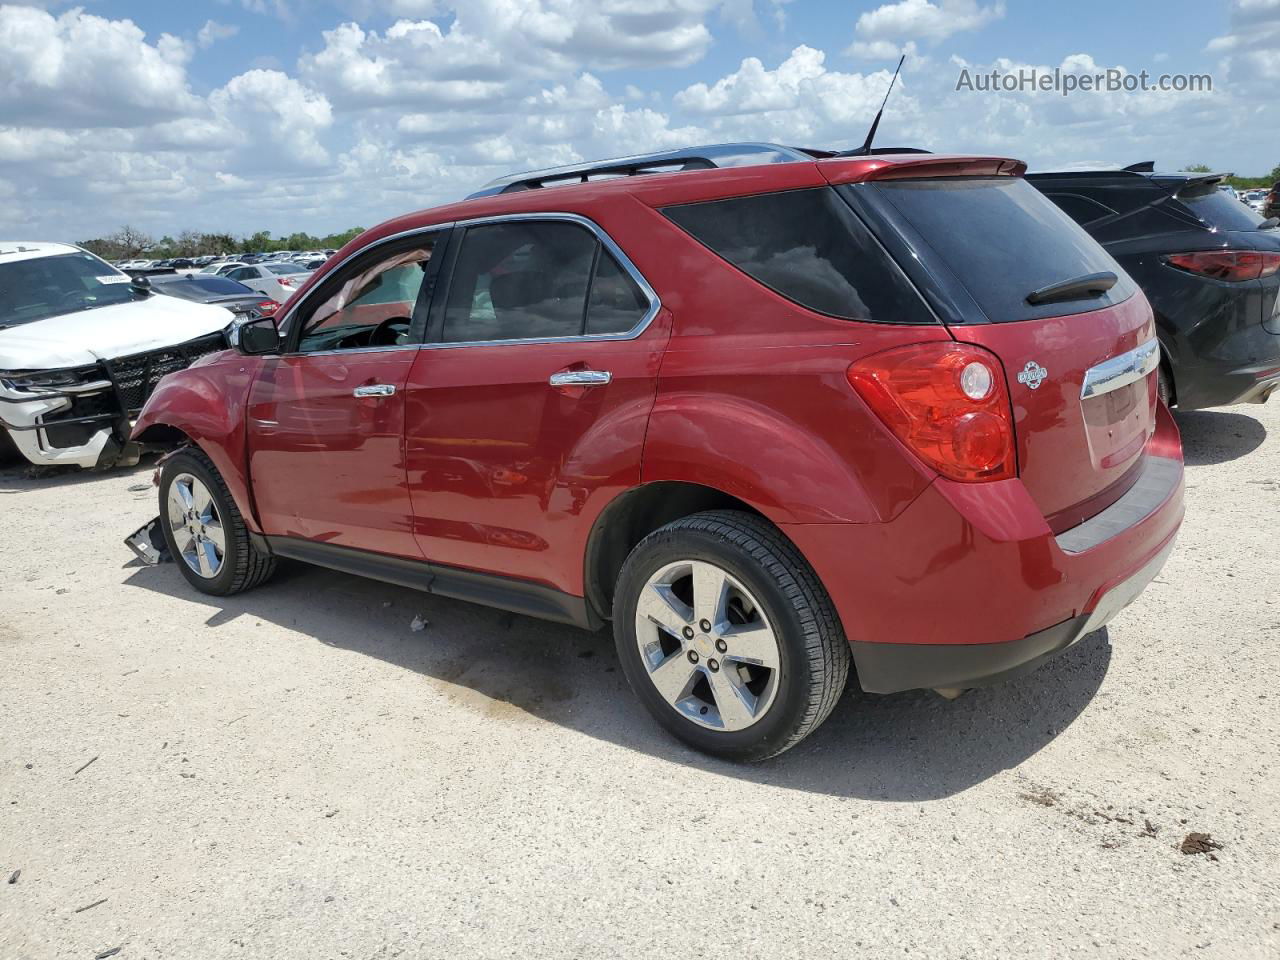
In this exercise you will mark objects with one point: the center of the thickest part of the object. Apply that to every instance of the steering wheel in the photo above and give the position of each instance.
(389, 331)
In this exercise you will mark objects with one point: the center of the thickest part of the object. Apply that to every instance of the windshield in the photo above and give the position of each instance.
(49, 286)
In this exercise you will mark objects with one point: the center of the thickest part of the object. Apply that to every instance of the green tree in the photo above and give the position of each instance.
(1197, 168)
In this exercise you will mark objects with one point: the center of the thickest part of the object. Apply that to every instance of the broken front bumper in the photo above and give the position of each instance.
(40, 434)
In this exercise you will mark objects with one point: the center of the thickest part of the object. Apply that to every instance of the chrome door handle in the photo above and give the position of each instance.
(580, 378)
(374, 390)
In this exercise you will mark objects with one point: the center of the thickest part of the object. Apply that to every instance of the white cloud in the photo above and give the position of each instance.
(882, 32)
(83, 70)
(213, 31)
(1251, 51)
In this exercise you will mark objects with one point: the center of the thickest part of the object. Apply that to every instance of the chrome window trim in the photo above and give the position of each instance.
(655, 303)
(1121, 370)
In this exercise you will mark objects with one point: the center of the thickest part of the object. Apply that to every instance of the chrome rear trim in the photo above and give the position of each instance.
(1122, 370)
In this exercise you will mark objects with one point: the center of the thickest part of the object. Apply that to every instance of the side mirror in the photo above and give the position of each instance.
(140, 284)
(254, 337)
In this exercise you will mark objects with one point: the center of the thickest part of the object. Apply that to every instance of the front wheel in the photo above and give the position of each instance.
(727, 636)
(204, 530)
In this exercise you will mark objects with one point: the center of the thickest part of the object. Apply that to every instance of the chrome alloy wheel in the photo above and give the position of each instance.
(707, 646)
(196, 526)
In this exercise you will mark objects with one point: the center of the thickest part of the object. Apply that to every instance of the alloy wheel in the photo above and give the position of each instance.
(707, 645)
(196, 526)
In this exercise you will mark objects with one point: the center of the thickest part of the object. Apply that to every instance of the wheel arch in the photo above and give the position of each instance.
(633, 515)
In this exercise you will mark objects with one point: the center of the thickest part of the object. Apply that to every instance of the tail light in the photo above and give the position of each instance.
(268, 307)
(946, 401)
(1230, 265)
(287, 281)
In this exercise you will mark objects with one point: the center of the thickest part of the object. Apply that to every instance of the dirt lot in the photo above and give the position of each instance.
(296, 773)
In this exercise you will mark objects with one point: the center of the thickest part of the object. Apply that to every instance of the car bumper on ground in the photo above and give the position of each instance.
(968, 585)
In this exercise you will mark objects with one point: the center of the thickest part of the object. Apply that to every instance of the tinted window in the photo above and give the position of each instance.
(531, 280)
(369, 303)
(1221, 210)
(616, 304)
(808, 246)
(1002, 239)
(282, 268)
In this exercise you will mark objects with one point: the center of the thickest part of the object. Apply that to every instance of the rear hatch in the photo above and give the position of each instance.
(1006, 270)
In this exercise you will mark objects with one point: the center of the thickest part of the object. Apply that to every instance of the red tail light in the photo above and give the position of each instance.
(946, 401)
(268, 307)
(1230, 265)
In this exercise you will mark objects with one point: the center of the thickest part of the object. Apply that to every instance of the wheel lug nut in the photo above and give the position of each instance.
(688, 633)
(721, 646)
(713, 664)
(705, 626)
(693, 656)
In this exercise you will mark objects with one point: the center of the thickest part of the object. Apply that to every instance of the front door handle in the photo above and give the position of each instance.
(374, 390)
(580, 378)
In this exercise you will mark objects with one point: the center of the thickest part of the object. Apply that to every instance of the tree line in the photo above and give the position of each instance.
(1240, 183)
(129, 243)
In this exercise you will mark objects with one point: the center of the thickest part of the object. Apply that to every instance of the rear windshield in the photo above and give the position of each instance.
(283, 268)
(1217, 208)
(1002, 239)
(199, 287)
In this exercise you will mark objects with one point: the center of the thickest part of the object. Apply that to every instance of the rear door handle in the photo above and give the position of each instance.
(580, 378)
(374, 390)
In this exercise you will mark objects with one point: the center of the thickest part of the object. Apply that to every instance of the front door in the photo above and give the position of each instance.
(326, 419)
(528, 405)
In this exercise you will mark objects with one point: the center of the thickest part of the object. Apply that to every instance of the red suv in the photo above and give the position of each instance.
(768, 418)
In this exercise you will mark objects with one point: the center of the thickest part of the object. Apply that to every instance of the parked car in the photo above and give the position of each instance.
(1271, 202)
(243, 302)
(82, 347)
(1209, 266)
(770, 420)
(278, 281)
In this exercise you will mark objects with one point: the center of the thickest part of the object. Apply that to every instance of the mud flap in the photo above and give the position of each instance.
(147, 544)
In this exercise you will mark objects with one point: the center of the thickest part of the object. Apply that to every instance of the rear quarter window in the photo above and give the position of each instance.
(808, 246)
(1001, 239)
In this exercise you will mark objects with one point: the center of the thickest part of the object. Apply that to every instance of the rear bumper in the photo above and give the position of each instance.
(969, 585)
(891, 667)
(1214, 385)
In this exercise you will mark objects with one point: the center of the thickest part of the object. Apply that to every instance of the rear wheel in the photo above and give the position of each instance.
(205, 533)
(1164, 385)
(727, 636)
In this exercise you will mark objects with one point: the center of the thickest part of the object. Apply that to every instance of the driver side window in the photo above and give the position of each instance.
(370, 302)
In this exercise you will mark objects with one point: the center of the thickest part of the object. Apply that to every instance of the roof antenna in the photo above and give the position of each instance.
(865, 149)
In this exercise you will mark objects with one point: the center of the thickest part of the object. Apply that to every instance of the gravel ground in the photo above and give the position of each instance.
(297, 773)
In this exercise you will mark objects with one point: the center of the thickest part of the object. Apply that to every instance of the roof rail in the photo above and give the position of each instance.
(707, 157)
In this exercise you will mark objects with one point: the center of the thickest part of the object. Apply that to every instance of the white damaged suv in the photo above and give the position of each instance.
(81, 348)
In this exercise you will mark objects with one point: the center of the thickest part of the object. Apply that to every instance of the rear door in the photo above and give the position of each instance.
(528, 405)
(996, 258)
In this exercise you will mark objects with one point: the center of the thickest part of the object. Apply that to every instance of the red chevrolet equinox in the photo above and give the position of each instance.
(777, 415)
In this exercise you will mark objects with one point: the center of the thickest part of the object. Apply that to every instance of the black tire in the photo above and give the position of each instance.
(814, 653)
(244, 566)
(1164, 386)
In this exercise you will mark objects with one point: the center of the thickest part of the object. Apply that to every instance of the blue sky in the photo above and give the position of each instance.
(241, 115)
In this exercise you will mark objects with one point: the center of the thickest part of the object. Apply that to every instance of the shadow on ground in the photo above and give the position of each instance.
(907, 747)
(1217, 436)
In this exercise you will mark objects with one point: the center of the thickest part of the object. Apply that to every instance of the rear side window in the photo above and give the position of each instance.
(808, 246)
(537, 280)
(1002, 239)
(1217, 208)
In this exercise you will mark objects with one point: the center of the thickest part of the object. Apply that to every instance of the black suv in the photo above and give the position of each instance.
(1209, 265)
